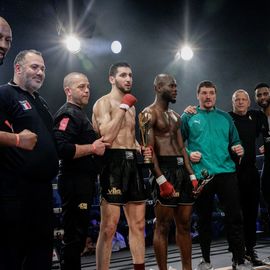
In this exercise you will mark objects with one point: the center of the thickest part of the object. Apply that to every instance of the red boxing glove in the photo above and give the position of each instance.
(166, 188)
(194, 184)
(194, 181)
(128, 101)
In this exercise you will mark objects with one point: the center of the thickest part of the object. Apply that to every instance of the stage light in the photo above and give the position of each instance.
(116, 46)
(73, 44)
(186, 53)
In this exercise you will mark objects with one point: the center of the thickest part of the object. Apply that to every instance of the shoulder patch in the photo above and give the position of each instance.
(25, 105)
(63, 124)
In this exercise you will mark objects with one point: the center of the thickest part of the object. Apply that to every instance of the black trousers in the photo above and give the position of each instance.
(226, 187)
(76, 193)
(26, 228)
(249, 186)
(265, 179)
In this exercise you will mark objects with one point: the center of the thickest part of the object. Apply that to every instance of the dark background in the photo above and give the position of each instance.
(231, 42)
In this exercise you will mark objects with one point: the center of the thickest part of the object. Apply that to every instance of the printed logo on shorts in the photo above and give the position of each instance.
(180, 161)
(114, 191)
(129, 155)
(63, 124)
(25, 105)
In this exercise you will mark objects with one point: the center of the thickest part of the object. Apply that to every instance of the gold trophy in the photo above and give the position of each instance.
(144, 123)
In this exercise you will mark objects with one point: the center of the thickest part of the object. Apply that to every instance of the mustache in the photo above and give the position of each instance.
(38, 77)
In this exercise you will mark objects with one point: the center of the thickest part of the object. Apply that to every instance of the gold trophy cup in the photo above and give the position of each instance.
(144, 123)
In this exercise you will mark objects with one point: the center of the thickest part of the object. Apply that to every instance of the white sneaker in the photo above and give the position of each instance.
(244, 266)
(204, 266)
(266, 260)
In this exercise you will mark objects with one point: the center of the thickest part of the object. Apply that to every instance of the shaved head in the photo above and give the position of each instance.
(161, 79)
(165, 87)
(77, 88)
(3, 21)
(69, 79)
(5, 38)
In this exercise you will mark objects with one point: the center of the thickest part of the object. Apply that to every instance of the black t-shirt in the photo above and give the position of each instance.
(249, 127)
(72, 126)
(24, 111)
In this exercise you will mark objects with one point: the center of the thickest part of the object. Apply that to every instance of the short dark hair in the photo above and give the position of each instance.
(114, 67)
(207, 84)
(21, 55)
(261, 85)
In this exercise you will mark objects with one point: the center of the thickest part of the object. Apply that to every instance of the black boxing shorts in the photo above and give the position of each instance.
(175, 172)
(120, 180)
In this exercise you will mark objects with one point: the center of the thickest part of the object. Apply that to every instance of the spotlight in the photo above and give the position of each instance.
(116, 46)
(186, 53)
(73, 44)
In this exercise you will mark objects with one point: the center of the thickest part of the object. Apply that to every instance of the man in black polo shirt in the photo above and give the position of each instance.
(25, 139)
(77, 143)
(26, 230)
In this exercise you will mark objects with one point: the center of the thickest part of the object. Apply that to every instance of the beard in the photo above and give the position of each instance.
(31, 85)
(122, 89)
(167, 97)
(264, 105)
(2, 61)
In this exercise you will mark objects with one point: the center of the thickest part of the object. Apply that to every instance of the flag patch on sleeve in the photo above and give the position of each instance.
(63, 124)
(25, 105)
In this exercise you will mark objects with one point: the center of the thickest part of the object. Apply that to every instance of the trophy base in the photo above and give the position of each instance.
(148, 163)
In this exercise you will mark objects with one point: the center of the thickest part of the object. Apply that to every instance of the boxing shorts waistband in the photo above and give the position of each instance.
(128, 154)
(171, 161)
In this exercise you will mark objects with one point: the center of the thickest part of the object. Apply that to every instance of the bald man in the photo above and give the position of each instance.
(173, 173)
(5, 39)
(77, 144)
